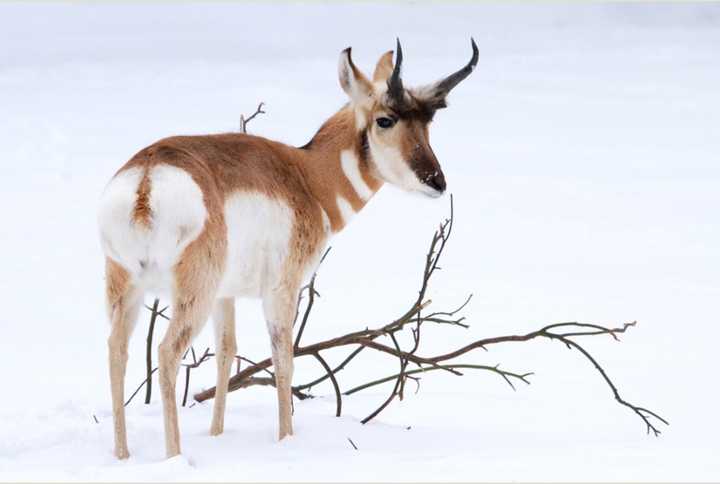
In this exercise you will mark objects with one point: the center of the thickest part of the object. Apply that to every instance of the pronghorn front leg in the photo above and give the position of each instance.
(279, 306)
(225, 348)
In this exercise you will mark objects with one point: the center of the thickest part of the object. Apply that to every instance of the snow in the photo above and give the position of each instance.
(583, 158)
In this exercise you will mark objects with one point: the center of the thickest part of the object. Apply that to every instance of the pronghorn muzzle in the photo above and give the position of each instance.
(427, 169)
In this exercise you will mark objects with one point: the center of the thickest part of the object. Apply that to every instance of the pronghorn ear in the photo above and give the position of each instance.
(384, 67)
(353, 82)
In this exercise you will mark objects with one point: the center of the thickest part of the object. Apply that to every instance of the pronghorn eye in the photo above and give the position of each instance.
(385, 122)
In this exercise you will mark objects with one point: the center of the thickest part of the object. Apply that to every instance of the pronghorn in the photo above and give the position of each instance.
(212, 218)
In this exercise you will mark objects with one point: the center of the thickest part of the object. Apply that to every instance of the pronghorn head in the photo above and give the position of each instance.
(393, 120)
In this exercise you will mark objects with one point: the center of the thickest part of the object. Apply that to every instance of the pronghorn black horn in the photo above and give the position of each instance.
(443, 87)
(395, 85)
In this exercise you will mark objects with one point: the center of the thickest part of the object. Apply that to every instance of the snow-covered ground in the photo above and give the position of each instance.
(584, 157)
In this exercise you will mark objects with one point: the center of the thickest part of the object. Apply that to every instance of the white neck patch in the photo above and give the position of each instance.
(351, 167)
(346, 210)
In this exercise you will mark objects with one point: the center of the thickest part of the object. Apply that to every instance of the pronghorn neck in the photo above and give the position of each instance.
(339, 169)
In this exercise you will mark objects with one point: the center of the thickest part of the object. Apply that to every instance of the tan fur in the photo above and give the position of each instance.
(117, 281)
(142, 213)
(354, 81)
(122, 304)
(321, 168)
(384, 67)
(225, 350)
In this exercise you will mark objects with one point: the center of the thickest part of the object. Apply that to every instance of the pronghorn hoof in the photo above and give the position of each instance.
(122, 454)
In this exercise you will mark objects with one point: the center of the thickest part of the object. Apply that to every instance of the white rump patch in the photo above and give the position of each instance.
(177, 218)
(178, 213)
(116, 214)
(351, 167)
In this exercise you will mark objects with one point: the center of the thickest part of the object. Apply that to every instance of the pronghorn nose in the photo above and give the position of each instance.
(437, 181)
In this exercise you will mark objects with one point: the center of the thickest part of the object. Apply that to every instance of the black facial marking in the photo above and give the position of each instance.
(364, 145)
(410, 107)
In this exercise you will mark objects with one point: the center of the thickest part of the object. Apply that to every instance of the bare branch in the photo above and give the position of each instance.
(244, 122)
(147, 379)
(336, 387)
(311, 300)
(342, 365)
(643, 413)
(412, 321)
(506, 374)
(148, 351)
(384, 404)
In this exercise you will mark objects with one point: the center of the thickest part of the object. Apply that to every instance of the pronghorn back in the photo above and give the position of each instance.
(158, 203)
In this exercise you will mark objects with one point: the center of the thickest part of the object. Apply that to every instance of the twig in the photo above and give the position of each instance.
(342, 365)
(382, 407)
(308, 308)
(336, 387)
(187, 384)
(522, 377)
(397, 389)
(189, 366)
(148, 351)
(270, 381)
(244, 122)
(311, 300)
(643, 413)
(140, 387)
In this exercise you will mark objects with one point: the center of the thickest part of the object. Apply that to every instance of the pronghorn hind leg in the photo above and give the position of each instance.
(225, 348)
(193, 297)
(123, 301)
(189, 314)
(279, 307)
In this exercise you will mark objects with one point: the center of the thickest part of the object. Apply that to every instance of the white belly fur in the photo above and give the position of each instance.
(259, 230)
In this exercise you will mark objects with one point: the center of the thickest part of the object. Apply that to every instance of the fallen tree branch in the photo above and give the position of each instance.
(414, 319)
